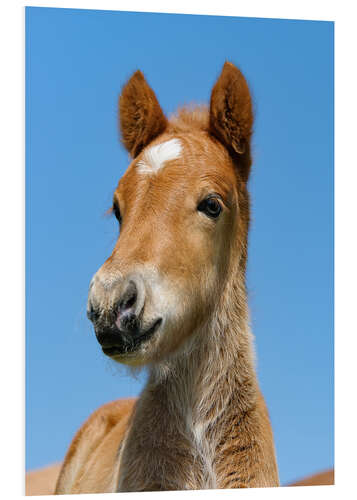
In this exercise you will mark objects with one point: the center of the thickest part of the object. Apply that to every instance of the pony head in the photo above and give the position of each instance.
(183, 210)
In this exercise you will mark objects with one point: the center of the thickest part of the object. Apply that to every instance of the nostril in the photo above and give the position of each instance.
(129, 303)
(92, 314)
(129, 298)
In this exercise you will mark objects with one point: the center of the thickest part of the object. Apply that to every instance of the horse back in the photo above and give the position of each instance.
(89, 465)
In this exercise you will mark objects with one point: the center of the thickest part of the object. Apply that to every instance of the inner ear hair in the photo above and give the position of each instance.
(231, 115)
(141, 118)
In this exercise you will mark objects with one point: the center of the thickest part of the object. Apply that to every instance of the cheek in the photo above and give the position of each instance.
(208, 248)
(194, 276)
(192, 267)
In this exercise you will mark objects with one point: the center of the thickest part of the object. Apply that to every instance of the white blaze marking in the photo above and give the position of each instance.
(156, 156)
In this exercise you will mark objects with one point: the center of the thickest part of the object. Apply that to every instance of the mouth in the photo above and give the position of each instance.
(126, 344)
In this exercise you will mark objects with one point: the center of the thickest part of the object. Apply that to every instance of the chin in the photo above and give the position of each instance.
(142, 355)
(134, 360)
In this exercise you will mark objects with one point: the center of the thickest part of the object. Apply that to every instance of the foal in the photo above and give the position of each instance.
(172, 296)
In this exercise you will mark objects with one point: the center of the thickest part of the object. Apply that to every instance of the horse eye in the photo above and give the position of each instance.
(116, 212)
(210, 207)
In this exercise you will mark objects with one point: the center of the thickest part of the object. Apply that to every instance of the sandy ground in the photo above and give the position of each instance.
(323, 478)
(43, 481)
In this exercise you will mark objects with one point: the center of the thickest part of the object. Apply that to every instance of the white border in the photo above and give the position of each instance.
(12, 226)
(304, 9)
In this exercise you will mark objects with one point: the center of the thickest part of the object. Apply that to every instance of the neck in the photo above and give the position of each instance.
(215, 365)
(190, 398)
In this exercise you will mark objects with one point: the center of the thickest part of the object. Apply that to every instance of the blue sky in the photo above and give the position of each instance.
(76, 63)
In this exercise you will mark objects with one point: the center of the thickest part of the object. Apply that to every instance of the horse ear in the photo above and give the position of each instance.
(231, 115)
(140, 116)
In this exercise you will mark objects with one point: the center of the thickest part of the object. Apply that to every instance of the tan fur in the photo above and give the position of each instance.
(201, 421)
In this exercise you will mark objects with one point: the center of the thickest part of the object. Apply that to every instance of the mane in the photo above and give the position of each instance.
(190, 117)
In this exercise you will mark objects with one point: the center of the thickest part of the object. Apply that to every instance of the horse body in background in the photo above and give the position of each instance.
(172, 297)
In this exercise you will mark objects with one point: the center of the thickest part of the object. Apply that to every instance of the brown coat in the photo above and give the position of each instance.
(183, 204)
